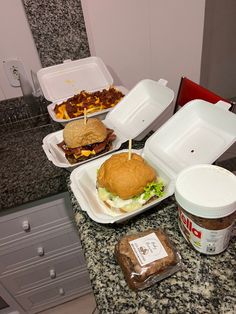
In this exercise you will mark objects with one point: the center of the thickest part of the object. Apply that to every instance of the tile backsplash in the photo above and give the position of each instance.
(58, 30)
(59, 34)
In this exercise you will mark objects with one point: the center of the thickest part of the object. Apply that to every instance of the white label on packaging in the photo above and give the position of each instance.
(204, 240)
(148, 249)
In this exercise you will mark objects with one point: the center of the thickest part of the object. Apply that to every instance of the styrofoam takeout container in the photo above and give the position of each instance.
(133, 117)
(198, 133)
(99, 114)
(62, 81)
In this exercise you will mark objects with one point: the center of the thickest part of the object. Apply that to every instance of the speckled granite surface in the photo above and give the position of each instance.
(206, 284)
(59, 33)
(26, 173)
(16, 110)
(58, 30)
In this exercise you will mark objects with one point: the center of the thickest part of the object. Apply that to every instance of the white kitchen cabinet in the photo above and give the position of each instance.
(44, 273)
(8, 305)
(41, 259)
(38, 248)
(63, 290)
(25, 223)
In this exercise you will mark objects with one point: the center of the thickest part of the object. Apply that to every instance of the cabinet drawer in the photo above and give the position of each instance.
(45, 273)
(56, 293)
(28, 222)
(38, 248)
(8, 304)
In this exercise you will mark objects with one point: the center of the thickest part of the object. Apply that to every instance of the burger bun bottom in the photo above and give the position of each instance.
(118, 211)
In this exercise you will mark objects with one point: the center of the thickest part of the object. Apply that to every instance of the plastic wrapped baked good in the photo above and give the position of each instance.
(146, 258)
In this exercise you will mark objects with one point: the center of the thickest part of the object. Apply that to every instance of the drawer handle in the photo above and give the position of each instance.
(40, 251)
(61, 291)
(52, 273)
(26, 225)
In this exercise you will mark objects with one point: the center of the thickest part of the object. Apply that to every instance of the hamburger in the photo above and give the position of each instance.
(126, 185)
(84, 141)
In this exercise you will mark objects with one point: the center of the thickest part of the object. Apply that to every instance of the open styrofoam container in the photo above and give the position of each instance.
(62, 81)
(198, 133)
(130, 119)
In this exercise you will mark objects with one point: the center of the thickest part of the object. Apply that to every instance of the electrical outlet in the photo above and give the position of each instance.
(13, 69)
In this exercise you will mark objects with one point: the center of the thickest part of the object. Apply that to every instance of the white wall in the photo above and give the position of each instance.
(219, 48)
(16, 42)
(137, 39)
(140, 39)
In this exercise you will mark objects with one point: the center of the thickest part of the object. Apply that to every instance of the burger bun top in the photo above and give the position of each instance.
(76, 133)
(123, 177)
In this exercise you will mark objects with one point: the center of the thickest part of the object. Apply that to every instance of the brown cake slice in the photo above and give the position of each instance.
(136, 275)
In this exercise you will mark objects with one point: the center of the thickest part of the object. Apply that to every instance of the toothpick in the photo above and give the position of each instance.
(130, 147)
(85, 116)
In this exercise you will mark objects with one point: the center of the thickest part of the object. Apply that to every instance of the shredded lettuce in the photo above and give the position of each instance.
(153, 189)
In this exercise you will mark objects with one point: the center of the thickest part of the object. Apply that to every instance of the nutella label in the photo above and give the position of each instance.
(204, 240)
(148, 249)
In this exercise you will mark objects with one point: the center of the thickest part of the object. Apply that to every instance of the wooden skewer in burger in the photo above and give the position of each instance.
(85, 116)
(126, 182)
(86, 138)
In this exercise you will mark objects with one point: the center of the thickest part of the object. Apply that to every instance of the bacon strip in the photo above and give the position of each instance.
(97, 147)
(92, 101)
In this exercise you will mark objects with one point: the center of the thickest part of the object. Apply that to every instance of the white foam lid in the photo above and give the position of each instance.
(201, 127)
(206, 191)
(139, 108)
(61, 81)
(198, 133)
(129, 118)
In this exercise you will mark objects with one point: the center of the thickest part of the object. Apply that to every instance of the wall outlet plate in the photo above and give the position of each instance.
(13, 69)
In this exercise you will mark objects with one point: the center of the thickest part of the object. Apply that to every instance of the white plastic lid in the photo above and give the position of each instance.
(145, 102)
(206, 191)
(198, 133)
(59, 82)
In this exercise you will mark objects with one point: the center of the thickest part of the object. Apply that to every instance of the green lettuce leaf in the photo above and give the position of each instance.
(153, 188)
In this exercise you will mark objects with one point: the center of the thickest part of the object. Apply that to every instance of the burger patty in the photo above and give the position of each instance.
(98, 148)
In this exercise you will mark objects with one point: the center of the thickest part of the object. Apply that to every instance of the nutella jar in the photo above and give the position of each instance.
(206, 197)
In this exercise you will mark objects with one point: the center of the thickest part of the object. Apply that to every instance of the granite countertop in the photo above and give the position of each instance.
(206, 284)
(26, 173)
